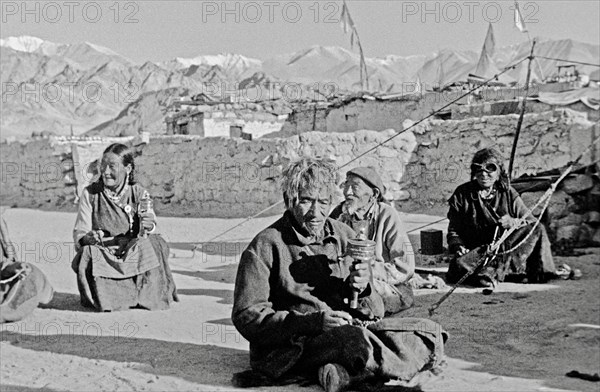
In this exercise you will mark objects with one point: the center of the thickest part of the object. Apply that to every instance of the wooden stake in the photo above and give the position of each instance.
(520, 122)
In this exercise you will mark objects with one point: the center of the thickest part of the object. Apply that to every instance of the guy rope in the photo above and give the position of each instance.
(198, 247)
(492, 250)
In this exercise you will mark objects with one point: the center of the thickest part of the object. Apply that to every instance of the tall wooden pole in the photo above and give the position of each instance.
(520, 122)
(364, 76)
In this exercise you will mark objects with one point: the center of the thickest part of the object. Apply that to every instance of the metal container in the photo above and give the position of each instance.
(431, 242)
(361, 249)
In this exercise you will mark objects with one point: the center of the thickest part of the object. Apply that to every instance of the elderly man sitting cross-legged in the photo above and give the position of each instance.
(291, 300)
(365, 208)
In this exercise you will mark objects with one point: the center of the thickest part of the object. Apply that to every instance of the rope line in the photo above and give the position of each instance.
(492, 251)
(469, 92)
(544, 199)
(428, 224)
(485, 258)
(568, 61)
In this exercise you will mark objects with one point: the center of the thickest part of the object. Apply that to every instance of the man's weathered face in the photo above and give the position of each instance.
(311, 209)
(357, 193)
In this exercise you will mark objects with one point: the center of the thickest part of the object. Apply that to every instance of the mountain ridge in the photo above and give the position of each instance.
(84, 85)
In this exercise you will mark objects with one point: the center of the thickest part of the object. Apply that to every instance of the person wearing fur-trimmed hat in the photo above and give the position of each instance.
(365, 207)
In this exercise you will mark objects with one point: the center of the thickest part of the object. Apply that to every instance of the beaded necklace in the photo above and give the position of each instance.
(489, 196)
(114, 196)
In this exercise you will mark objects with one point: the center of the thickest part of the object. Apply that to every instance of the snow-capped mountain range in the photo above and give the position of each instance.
(55, 87)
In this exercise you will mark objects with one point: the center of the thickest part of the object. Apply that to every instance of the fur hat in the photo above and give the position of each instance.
(370, 177)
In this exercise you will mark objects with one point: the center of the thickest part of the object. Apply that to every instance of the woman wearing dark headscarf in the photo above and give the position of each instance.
(480, 210)
(120, 264)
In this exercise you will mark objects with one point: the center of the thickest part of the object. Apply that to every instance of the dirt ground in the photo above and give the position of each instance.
(521, 338)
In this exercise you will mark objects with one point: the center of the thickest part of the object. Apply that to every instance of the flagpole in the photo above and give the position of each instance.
(521, 115)
(364, 76)
(536, 61)
(520, 24)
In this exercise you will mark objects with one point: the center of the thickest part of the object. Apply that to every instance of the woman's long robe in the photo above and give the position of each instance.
(473, 222)
(129, 271)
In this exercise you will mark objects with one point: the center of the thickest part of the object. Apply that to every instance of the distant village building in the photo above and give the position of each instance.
(364, 111)
(202, 116)
(379, 112)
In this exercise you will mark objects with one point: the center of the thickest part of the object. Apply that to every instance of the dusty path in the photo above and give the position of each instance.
(194, 346)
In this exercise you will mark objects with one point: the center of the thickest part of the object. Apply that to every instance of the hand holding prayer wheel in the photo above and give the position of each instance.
(363, 252)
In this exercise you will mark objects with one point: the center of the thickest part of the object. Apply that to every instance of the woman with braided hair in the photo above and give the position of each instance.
(479, 212)
(121, 262)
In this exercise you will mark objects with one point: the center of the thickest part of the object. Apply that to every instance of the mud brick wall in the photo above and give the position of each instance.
(35, 174)
(442, 159)
(222, 177)
(236, 178)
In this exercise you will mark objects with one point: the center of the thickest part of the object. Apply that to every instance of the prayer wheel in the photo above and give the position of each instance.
(361, 250)
(431, 242)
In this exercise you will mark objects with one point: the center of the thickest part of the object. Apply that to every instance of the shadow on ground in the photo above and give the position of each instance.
(202, 364)
(526, 335)
(19, 388)
(66, 301)
(225, 295)
(222, 273)
(223, 248)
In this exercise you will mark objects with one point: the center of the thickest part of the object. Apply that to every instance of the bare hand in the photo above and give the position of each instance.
(92, 238)
(462, 251)
(335, 318)
(360, 276)
(507, 222)
(148, 220)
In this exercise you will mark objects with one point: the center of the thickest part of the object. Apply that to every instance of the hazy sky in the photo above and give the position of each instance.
(162, 30)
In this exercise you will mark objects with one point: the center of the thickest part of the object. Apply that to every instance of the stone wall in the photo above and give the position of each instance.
(573, 214)
(37, 173)
(379, 115)
(461, 112)
(235, 178)
(445, 148)
(359, 113)
(310, 118)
